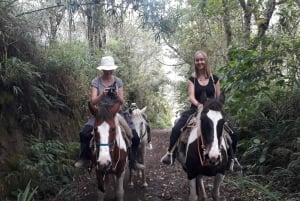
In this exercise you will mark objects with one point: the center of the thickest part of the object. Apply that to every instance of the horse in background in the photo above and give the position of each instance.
(137, 117)
(204, 153)
(109, 150)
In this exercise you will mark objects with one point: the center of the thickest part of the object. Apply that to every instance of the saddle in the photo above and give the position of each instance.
(185, 130)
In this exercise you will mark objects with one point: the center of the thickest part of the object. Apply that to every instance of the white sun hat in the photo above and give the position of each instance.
(107, 63)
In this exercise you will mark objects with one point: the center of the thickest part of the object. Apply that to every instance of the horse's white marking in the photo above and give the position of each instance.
(193, 190)
(215, 116)
(216, 188)
(120, 187)
(120, 140)
(193, 136)
(104, 155)
(223, 143)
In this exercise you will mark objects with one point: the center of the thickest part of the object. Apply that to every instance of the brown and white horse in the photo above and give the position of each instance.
(109, 151)
(205, 153)
(140, 126)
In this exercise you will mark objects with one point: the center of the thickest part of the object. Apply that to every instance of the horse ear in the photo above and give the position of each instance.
(144, 109)
(222, 97)
(92, 109)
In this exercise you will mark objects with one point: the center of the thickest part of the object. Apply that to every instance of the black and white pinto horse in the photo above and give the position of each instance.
(140, 126)
(205, 153)
(109, 150)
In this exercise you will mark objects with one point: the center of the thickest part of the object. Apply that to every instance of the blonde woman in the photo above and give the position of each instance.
(202, 85)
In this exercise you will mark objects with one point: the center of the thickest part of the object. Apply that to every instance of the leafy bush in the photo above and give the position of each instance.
(27, 194)
(47, 165)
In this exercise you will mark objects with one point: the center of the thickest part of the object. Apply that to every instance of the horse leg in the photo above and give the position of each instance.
(130, 177)
(145, 184)
(100, 195)
(201, 189)
(101, 181)
(216, 189)
(120, 187)
(193, 190)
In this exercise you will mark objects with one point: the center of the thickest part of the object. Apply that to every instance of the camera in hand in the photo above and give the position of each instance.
(112, 90)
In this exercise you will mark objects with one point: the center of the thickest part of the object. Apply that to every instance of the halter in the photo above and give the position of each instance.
(98, 144)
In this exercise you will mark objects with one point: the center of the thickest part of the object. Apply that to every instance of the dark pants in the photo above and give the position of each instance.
(176, 130)
(135, 139)
(85, 138)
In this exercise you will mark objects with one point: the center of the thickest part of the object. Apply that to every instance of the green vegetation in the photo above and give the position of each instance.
(28, 194)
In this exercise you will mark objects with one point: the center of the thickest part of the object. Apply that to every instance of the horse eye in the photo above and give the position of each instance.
(113, 129)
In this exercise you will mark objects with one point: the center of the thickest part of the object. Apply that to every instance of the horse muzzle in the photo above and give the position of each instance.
(104, 166)
(212, 160)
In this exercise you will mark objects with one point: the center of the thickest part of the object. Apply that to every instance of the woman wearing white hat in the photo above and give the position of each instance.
(101, 86)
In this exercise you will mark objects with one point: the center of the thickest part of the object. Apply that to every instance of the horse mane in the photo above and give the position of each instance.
(213, 104)
(105, 106)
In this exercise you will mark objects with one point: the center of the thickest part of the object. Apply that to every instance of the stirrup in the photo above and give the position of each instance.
(149, 146)
(82, 163)
(238, 166)
(168, 158)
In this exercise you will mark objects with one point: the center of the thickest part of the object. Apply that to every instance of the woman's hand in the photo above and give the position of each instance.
(199, 106)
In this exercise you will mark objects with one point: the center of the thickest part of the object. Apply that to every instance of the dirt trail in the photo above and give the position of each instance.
(165, 183)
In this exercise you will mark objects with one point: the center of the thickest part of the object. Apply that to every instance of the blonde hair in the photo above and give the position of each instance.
(207, 69)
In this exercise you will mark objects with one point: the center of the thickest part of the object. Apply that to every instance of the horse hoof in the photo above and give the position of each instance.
(145, 185)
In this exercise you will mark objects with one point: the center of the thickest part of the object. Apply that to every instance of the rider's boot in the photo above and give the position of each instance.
(168, 158)
(84, 160)
(133, 163)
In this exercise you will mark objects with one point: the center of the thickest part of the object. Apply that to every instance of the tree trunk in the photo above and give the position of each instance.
(226, 22)
(247, 8)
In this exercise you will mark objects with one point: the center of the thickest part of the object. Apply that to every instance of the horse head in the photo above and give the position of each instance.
(212, 122)
(139, 121)
(105, 132)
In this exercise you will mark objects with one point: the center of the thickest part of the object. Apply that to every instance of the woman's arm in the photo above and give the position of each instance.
(95, 97)
(218, 89)
(120, 94)
(191, 93)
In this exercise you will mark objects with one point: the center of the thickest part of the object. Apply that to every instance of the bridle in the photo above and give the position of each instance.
(112, 146)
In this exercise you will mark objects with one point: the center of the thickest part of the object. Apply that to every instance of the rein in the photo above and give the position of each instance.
(199, 133)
